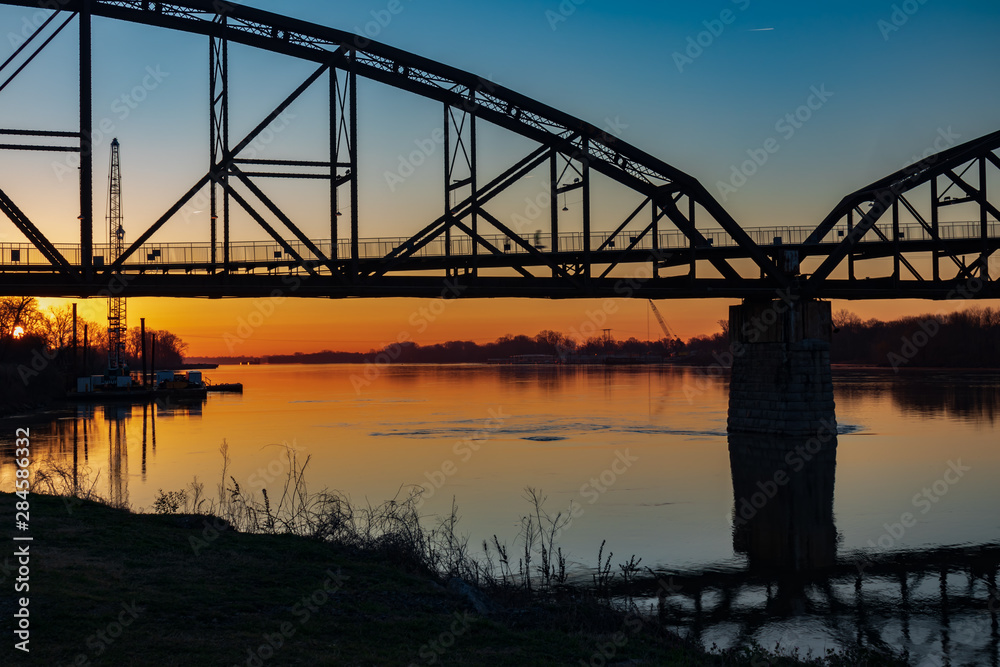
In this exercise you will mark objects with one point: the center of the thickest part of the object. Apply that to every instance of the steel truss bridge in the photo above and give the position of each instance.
(678, 242)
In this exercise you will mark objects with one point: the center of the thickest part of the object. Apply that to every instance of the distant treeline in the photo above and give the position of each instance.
(545, 343)
(966, 339)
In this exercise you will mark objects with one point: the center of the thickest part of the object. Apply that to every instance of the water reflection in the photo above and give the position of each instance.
(89, 448)
(941, 605)
(783, 514)
(974, 397)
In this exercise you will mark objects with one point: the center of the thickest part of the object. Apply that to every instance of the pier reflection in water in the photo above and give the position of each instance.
(91, 428)
(941, 605)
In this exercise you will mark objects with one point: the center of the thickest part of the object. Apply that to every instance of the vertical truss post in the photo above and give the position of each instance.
(225, 148)
(213, 162)
(656, 239)
(984, 227)
(86, 145)
(935, 226)
(850, 255)
(474, 177)
(334, 169)
(219, 138)
(218, 84)
(343, 170)
(554, 203)
(895, 240)
(586, 208)
(353, 85)
(693, 262)
(447, 180)
(460, 171)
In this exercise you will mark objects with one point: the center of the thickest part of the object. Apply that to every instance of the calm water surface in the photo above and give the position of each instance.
(641, 457)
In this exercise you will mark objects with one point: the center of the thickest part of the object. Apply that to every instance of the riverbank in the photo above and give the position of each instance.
(109, 587)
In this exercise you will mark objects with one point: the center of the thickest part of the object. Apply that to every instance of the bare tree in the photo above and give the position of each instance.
(18, 311)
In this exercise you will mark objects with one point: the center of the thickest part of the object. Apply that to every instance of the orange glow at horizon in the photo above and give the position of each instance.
(260, 327)
(18, 332)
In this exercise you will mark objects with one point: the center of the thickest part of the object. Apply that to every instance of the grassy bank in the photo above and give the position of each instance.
(190, 594)
(109, 587)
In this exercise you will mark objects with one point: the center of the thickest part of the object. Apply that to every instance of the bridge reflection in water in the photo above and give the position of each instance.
(940, 605)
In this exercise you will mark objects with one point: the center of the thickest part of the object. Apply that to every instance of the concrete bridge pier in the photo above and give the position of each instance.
(781, 382)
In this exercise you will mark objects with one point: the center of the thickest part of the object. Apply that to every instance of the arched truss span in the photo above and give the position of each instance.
(567, 142)
(467, 240)
(923, 192)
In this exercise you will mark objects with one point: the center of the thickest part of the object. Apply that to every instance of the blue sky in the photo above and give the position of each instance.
(897, 74)
(896, 78)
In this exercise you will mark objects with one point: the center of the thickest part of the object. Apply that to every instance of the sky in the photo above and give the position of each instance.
(697, 84)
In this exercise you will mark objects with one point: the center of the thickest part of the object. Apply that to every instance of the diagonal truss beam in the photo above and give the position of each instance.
(669, 206)
(463, 209)
(229, 158)
(532, 250)
(503, 107)
(865, 225)
(489, 246)
(35, 236)
(269, 229)
(278, 213)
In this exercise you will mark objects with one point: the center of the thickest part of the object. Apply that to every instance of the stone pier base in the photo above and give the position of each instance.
(781, 381)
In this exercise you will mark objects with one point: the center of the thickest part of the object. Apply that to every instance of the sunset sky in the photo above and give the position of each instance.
(898, 77)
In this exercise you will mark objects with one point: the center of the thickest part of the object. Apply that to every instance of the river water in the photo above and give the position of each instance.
(888, 531)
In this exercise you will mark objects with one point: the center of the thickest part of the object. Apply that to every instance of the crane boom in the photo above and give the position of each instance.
(663, 324)
(117, 319)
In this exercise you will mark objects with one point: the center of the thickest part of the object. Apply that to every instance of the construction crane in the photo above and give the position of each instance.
(663, 324)
(117, 320)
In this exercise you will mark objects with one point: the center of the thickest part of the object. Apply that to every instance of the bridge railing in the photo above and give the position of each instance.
(152, 256)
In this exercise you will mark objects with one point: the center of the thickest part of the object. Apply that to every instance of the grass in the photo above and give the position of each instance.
(308, 579)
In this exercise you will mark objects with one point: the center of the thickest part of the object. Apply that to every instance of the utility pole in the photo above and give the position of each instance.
(142, 335)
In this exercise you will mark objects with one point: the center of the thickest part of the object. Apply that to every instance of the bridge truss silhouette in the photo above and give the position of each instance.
(679, 242)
